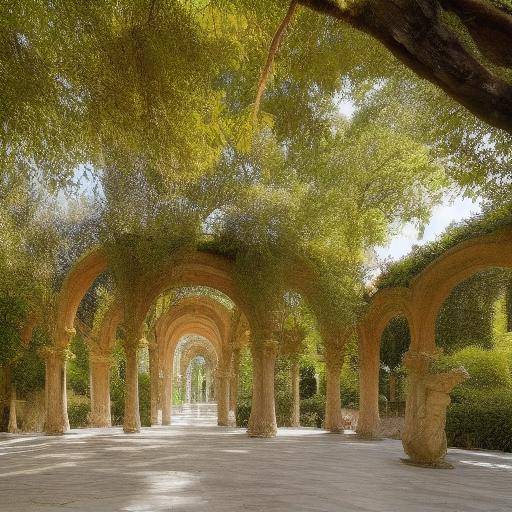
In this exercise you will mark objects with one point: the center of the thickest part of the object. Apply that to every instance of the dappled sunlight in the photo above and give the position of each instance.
(490, 465)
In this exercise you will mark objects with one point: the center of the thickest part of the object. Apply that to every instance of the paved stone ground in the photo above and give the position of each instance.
(208, 468)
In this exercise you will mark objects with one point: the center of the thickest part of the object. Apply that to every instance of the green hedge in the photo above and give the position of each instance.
(312, 411)
(480, 419)
(487, 368)
(79, 408)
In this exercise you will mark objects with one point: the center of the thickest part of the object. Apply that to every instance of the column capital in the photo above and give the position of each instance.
(100, 358)
(53, 352)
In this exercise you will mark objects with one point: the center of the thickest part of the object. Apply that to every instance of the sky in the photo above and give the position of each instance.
(450, 210)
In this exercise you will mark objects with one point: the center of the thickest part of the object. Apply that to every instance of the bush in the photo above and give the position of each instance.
(243, 412)
(481, 419)
(79, 408)
(486, 368)
(312, 411)
(145, 399)
(116, 398)
(307, 381)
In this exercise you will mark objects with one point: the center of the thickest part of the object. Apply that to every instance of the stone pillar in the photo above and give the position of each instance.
(428, 396)
(223, 397)
(233, 387)
(188, 385)
(131, 423)
(262, 422)
(166, 398)
(154, 380)
(100, 390)
(13, 422)
(368, 425)
(56, 421)
(333, 364)
(295, 382)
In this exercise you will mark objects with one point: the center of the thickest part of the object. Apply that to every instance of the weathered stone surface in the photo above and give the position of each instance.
(217, 469)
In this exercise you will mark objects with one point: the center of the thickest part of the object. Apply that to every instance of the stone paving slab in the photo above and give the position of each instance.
(184, 468)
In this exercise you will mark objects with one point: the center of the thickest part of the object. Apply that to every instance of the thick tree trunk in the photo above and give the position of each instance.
(414, 31)
(100, 391)
(262, 422)
(295, 382)
(131, 423)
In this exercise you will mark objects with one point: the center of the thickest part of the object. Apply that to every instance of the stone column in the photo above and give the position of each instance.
(56, 421)
(262, 422)
(100, 390)
(223, 397)
(131, 423)
(188, 385)
(295, 382)
(167, 397)
(333, 364)
(154, 379)
(368, 424)
(13, 422)
(233, 387)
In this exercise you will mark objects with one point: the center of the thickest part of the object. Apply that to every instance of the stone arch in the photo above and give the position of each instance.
(420, 304)
(434, 284)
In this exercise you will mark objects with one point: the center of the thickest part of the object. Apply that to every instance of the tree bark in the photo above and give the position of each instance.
(413, 30)
(262, 422)
(131, 422)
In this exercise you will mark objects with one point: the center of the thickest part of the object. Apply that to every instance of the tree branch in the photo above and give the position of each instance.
(272, 52)
(414, 32)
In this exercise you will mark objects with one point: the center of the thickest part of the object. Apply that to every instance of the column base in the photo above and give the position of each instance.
(262, 432)
(131, 430)
(441, 464)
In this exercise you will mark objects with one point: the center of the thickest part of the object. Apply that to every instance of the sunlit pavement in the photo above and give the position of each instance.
(208, 468)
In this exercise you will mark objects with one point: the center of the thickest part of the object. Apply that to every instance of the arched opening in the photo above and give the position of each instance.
(395, 341)
(473, 330)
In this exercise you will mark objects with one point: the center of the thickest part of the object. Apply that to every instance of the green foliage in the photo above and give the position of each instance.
(144, 400)
(486, 368)
(243, 412)
(79, 408)
(401, 273)
(468, 315)
(312, 411)
(481, 419)
(78, 367)
(307, 381)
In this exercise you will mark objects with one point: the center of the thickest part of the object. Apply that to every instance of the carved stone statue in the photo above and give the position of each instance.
(424, 437)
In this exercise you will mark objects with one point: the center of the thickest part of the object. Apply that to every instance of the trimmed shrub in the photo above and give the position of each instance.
(79, 408)
(145, 399)
(486, 368)
(312, 411)
(480, 419)
(243, 412)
